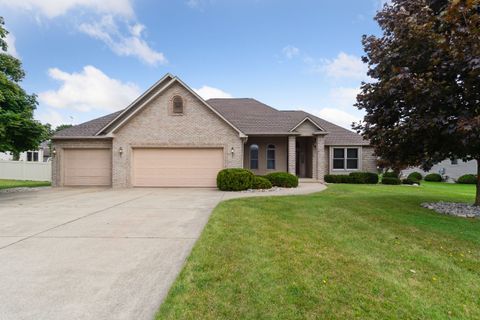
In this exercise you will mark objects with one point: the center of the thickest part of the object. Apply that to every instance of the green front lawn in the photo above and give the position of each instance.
(6, 184)
(350, 252)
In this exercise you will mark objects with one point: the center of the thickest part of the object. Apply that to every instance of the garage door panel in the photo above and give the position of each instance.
(87, 167)
(176, 167)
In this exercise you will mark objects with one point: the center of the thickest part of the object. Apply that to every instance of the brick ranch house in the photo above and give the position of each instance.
(171, 137)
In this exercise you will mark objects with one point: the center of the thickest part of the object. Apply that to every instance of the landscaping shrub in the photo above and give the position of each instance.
(467, 179)
(364, 177)
(283, 179)
(390, 174)
(415, 176)
(261, 183)
(390, 180)
(235, 179)
(433, 177)
(337, 178)
(411, 181)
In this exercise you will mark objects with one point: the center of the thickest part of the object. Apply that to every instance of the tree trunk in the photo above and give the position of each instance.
(477, 198)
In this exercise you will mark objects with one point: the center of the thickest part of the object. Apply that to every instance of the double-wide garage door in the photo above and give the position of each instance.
(87, 167)
(176, 167)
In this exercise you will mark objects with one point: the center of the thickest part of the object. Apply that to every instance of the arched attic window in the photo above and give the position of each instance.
(177, 105)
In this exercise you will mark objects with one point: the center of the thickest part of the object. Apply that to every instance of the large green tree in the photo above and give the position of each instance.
(18, 130)
(423, 104)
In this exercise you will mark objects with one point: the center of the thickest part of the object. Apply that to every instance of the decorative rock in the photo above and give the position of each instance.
(264, 190)
(463, 210)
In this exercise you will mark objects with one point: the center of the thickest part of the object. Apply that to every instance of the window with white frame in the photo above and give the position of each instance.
(271, 156)
(254, 156)
(32, 156)
(345, 158)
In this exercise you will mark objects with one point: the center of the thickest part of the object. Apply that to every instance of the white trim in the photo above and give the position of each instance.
(360, 156)
(174, 79)
(131, 105)
(309, 119)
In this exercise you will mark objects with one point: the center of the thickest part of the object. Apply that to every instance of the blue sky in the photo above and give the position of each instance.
(87, 58)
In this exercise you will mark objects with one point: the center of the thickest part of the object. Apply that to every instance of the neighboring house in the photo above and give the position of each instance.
(170, 137)
(40, 155)
(451, 170)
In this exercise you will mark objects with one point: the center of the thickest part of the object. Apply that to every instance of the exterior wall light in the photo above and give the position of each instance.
(232, 151)
(54, 152)
(120, 151)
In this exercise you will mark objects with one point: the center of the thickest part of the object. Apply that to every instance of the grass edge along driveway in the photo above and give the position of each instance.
(9, 183)
(352, 251)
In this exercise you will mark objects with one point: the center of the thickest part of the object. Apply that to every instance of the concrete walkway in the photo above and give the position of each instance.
(100, 253)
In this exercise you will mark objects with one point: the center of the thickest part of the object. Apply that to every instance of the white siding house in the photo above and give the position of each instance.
(450, 169)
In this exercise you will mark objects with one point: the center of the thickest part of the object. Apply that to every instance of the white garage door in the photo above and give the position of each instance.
(174, 167)
(87, 167)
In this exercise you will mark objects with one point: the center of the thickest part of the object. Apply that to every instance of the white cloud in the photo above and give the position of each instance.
(53, 117)
(337, 107)
(55, 8)
(10, 39)
(193, 3)
(344, 66)
(207, 92)
(290, 52)
(339, 117)
(131, 44)
(116, 27)
(342, 97)
(91, 89)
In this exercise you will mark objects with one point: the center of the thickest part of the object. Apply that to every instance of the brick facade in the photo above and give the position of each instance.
(155, 126)
(61, 145)
(291, 154)
(320, 148)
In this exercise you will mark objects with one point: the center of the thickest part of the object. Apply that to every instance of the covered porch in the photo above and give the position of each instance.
(301, 155)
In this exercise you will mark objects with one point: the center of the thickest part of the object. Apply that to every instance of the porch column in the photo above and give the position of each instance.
(320, 157)
(291, 155)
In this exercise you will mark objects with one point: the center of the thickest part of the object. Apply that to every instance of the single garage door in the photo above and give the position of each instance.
(87, 167)
(176, 167)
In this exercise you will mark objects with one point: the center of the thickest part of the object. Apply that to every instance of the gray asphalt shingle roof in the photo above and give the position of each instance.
(253, 117)
(248, 115)
(89, 128)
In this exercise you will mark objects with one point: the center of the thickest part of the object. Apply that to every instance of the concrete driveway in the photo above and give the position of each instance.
(99, 253)
(95, 253)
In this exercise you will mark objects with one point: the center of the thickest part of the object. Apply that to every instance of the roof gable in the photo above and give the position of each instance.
(149, 96)
(306, 120)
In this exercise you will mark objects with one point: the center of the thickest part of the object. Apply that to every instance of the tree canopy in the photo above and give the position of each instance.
(423, 104)
(18, 130)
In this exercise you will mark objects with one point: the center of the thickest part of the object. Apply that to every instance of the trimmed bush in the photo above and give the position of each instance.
(364, 177)
(411, 181)
(390, 174)
(433, 177)
(338, 178)
(467, 179)
(390, 180)
(282, 179)
(235, 179)
(415, 176)
(261, 183)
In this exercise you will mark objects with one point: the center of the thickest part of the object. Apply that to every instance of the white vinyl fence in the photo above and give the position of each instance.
(23, 170)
